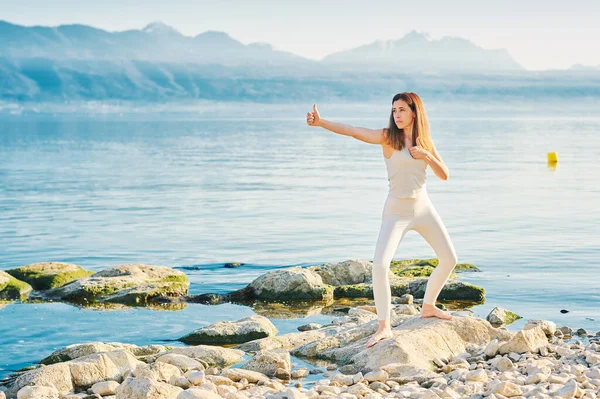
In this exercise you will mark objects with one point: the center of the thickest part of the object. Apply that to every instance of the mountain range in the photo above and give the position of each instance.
(158, 42)
(156, 63)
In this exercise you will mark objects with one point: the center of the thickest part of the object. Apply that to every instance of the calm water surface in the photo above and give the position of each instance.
(265, 189)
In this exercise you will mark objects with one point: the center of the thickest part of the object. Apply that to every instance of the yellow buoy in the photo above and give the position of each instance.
(552, 157)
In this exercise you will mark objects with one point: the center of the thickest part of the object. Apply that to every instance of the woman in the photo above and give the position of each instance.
(408, 150)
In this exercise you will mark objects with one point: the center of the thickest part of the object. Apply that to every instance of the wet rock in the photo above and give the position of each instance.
(207, 299)
(232, 332)
(309, 327)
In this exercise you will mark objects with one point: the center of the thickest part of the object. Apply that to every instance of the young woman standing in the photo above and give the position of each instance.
(408, 150)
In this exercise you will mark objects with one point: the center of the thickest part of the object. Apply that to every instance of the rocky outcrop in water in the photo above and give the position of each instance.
(48, 275)
(131, 284)
(352, 279)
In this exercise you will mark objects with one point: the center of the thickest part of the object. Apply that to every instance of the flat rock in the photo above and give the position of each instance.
(231, 332)
(79, 350)
(416, 342)
(211, 355)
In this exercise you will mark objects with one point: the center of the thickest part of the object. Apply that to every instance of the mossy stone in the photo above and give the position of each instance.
(13, 289)
(49, 275)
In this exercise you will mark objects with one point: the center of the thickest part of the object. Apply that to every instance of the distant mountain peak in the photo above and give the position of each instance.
(159, 27)
(417, 35)
(214, 34)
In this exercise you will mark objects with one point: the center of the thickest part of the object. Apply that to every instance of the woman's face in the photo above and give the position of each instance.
(403, 115)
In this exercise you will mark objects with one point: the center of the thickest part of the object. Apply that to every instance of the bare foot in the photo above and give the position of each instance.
(378, 336)
(433, 311)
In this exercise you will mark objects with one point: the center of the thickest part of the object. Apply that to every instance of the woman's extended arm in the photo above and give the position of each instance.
(372, 136)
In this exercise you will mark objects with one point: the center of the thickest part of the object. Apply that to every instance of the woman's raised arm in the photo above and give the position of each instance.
(372, 136)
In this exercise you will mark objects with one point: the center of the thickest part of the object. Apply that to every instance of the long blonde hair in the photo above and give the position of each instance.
(394, 136)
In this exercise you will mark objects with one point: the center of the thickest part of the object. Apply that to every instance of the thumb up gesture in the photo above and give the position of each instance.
(313, 118)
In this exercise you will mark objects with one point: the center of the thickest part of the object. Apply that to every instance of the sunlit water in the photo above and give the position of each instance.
(267, 190)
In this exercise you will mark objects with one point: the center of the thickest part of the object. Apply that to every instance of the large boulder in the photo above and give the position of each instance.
(345, 273)
(294, 283)
(131, 284)
(231, 332)
(416, 342)
(81, 373)
(12, 288)
(76, 351)
(48, 275)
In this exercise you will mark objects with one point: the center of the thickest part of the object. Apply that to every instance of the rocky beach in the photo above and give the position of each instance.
(466, 357)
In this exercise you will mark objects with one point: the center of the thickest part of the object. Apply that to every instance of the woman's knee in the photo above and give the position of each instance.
(381, 265)
(451, 259)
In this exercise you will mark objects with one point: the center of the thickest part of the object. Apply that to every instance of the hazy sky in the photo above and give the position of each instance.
(540, 34)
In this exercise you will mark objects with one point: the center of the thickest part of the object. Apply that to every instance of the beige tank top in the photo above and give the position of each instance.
(406, 175)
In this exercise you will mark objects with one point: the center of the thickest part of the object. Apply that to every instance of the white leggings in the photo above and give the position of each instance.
(399, 216)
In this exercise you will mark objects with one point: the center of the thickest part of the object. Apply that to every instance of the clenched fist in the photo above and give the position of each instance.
(313, 118)
(418, 152)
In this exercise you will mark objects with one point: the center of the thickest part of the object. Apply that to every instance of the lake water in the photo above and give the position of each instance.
(252, 183)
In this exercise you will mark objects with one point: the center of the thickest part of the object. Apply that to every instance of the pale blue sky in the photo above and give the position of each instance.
(540, 34)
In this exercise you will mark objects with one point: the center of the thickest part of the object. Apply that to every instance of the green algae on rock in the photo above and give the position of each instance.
(500, 316)
(12, 288)
(424, 267)
(48, 275)
(131, 284)
(352, 279)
